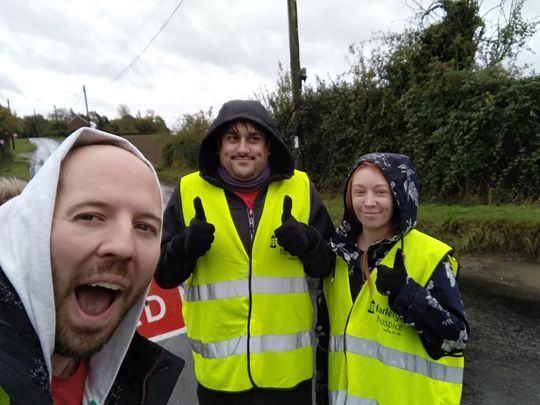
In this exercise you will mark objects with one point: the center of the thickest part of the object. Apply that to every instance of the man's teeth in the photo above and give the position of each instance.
(103, 284)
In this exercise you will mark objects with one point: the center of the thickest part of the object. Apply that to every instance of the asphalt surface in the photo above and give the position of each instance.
(502, 361)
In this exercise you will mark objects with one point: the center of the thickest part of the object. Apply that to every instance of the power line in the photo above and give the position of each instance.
(139, 27)
(149, 43)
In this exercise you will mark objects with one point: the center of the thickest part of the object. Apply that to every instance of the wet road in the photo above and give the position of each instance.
(502, 361)
(44, 147)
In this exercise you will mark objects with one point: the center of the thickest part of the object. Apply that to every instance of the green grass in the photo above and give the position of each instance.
(519, 213)
(484, 229)
(505, 229)
(18, 166)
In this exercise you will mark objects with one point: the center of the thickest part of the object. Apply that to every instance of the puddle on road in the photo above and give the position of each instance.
(506, 271)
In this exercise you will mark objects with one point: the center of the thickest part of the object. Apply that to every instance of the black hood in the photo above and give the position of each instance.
(401, 174)
(280, 159)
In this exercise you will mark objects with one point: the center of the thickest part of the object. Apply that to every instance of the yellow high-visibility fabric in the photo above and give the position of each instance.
(4, 397)
(243, 301)
(373, 354)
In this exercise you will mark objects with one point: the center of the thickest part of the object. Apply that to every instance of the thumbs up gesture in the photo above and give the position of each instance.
(390, 281)
(200, 234)
(295, 237)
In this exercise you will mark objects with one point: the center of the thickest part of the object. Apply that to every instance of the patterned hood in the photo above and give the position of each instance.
(401, 174)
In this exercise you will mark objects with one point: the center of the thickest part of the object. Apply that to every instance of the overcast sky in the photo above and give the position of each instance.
(209, 52)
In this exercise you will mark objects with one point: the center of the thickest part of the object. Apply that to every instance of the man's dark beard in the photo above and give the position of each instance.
(66, 348)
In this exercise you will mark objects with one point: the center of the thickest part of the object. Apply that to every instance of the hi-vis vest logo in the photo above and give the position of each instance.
(274, 244)
(386, 318)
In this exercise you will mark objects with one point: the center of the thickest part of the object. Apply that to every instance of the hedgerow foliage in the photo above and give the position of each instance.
(181, 149)
(443, 93)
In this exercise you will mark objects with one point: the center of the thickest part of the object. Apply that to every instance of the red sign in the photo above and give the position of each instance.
(162, 315)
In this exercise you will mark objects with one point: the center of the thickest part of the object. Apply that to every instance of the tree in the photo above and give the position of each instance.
(182, 148)
(472, 129)
(123, 111)
(100, 121)
(507, 39)
(34, 126)
(9, 124)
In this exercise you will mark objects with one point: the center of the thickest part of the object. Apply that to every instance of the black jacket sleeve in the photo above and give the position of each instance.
(172, 268)
(436, 312)
(320, 260)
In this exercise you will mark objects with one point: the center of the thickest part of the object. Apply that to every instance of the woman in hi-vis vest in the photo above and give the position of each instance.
(391, 324)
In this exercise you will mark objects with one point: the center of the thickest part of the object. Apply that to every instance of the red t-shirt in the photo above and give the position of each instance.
(69, 390)
(249, 198)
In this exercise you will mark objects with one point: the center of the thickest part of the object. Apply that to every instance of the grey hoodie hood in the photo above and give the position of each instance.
(25, 259)
(281, 161)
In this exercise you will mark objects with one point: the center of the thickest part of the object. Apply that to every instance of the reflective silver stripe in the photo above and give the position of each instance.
(220, 349)
(240, 288)
(217, 291)
(279, 343)
(341, 398)
(396, 358)
(279, 285)
(258, 344)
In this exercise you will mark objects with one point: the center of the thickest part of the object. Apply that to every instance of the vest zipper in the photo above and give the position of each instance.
(251, 222)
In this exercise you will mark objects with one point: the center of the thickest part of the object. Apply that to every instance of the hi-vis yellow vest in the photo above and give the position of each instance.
(374, 358)
(248, 319)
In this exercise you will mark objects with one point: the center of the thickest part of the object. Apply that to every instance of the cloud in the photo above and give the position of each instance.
(210, 51)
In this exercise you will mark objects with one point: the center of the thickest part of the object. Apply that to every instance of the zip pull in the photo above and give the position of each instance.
(251, 221)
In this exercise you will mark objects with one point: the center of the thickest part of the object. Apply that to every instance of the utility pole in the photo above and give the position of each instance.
(297, 75)
(86, 103)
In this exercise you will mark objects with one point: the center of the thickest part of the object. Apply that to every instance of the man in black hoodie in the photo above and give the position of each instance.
(241, 234)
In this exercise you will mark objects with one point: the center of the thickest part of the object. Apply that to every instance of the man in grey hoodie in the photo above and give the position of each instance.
(78, 249)
(242, 233)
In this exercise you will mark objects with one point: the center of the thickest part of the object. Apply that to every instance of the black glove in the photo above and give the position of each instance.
(198, 237)
(295, 237)
(390, 281)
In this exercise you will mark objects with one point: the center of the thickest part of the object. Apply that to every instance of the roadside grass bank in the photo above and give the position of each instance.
(500, 230)
(509, 230)
(18, 164)
(169, 175)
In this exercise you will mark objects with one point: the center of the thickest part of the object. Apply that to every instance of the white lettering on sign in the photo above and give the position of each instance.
(148, 310)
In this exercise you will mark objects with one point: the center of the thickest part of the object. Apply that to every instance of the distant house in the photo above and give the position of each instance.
(77, 122)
